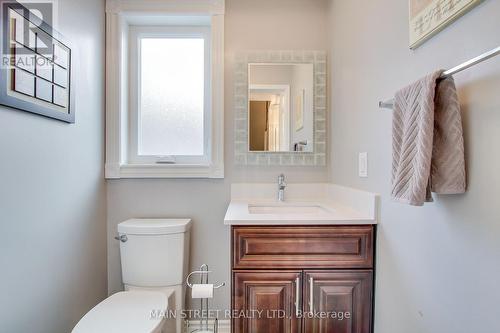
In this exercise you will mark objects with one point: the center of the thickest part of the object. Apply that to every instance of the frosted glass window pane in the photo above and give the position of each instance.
(171, 96)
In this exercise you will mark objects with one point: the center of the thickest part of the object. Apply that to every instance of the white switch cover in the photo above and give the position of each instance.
(363, 165)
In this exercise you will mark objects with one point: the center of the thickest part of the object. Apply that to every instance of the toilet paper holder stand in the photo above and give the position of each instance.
(204, 325)
(204, 277)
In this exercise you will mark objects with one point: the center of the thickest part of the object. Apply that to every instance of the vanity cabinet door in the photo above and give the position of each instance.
(344, 297)
(266, 301)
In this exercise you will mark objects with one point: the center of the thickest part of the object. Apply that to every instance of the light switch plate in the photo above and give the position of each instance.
(363, 165)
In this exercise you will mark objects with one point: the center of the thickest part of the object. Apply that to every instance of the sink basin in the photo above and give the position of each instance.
(286, 209)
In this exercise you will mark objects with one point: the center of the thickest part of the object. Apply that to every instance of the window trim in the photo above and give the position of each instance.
(135, 35)
(120, 15)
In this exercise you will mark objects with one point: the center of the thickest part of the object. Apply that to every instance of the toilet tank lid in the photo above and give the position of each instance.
(154, 226)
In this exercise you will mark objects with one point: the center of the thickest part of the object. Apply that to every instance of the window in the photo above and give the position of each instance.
(164, 89)
(170, 95)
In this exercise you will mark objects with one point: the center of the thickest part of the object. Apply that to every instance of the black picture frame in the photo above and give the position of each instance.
(33, 104)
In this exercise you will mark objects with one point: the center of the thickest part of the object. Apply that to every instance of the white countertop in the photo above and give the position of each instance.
(330, 204)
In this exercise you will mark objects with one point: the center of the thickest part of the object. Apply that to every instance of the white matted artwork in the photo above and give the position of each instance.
(299, 110)
(428, 17)
(36, 76)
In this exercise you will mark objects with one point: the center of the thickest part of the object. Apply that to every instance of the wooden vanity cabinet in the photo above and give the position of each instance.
(277, 271)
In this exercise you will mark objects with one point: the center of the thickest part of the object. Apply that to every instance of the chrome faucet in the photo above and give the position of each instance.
(281, 188)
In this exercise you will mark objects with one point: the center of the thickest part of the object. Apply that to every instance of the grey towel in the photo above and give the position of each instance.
(428, 147)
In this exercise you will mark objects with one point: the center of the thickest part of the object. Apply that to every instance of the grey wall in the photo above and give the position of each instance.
(52, 196)
(437, 266)
(282, 24)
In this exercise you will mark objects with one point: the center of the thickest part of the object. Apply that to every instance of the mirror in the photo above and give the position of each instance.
(280, 107)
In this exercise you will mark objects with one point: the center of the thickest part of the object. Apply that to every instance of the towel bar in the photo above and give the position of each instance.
(483, 57)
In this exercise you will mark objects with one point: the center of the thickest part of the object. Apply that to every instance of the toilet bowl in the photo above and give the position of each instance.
(126, 312)
(154, 258)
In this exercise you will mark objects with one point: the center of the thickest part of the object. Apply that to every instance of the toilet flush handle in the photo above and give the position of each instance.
(121, 238)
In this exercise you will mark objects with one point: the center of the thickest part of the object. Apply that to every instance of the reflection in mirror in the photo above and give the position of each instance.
(280, 107)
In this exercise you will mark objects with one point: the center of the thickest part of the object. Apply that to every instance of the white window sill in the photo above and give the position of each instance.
(127, 171)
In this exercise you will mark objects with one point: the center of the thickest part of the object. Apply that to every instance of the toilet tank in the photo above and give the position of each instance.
(154, 252)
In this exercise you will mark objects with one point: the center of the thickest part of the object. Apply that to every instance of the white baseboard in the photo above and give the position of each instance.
(224, 325)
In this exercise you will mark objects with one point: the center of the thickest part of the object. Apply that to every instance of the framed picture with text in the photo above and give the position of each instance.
(36, 67)
(429, 17)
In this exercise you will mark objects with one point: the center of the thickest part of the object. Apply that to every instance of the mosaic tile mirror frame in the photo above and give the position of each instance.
(243, 156)
(36, 65)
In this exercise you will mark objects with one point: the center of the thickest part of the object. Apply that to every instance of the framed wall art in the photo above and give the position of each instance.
(429, 17)
(36, 65)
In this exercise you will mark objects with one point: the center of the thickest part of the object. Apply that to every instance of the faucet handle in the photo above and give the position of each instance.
(281, 188)
(281, 179)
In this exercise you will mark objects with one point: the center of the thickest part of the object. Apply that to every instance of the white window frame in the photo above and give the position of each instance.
(136, 34)
(124, 19)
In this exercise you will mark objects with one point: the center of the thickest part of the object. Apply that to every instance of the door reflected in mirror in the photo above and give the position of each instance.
(280, 107)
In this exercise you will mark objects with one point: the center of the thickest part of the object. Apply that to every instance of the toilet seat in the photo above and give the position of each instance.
(125, 312)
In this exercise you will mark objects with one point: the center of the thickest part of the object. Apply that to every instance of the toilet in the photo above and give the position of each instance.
(154, 258)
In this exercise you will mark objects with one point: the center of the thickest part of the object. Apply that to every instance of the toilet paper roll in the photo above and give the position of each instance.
(202, 291)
